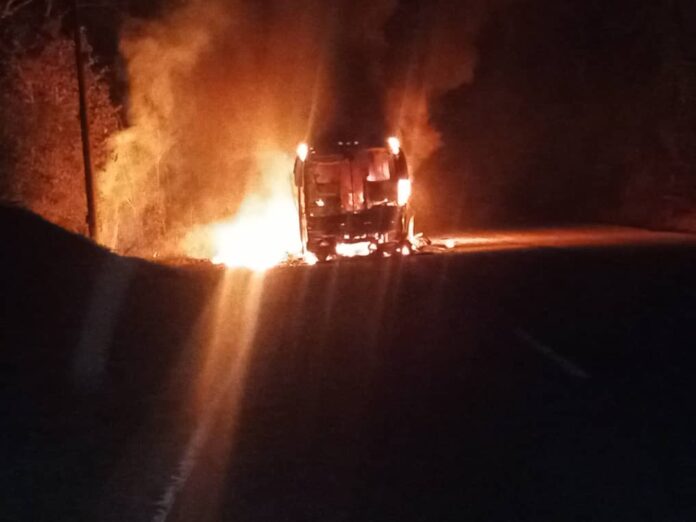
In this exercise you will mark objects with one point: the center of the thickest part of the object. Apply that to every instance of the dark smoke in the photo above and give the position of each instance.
(357, 72)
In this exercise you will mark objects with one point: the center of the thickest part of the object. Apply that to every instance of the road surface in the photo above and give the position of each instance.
(520, 375)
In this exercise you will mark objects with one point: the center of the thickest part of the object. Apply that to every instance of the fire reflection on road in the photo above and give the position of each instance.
(561, 237)
(225, 338)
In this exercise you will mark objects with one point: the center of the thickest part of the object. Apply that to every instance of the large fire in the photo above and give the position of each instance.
(264, 232)
(247, 77)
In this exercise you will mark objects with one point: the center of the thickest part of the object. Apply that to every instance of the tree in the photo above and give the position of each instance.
(40, 132)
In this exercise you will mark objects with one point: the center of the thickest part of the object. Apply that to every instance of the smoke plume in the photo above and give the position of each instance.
(432, 52)
(214, 86)
(220, 90)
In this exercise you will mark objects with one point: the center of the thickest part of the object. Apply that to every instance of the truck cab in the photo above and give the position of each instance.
(353, 199)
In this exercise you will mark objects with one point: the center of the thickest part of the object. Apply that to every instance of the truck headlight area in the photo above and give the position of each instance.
(403, 191)
(394, 145)
(302, 151)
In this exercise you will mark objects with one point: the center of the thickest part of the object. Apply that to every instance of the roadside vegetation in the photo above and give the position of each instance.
(40, 145)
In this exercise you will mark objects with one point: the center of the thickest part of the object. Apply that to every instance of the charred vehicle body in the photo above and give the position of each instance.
(353, 199)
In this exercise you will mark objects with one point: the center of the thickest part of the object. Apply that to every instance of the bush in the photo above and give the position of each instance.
(42, 167)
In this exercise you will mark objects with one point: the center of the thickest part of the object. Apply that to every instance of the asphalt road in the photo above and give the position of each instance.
(541, 375)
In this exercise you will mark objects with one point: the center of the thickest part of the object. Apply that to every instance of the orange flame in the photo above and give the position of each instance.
(264, 232)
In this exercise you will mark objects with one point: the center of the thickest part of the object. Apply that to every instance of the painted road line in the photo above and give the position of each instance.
(568, 366)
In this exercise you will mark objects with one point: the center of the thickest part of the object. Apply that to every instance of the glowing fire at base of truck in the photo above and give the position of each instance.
(363, 248)
(263, 233)
(348, 203)
(261, 236)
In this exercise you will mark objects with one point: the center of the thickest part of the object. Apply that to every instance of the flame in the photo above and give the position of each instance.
(363, 248)
(310, 259)
(302, 151)
(264, 232)
(403, 191)
(394, 145)
(412, 230)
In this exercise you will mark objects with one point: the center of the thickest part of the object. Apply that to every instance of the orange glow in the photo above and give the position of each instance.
(259, 237)
(263, 233)
(310, 259)
(354, 249)
(403, 191)
(394, 144)
(302, 151)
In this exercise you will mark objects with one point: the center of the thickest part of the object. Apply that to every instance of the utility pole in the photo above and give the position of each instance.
(84, 125)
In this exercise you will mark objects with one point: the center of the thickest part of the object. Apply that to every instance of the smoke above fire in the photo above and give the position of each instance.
(217, 87)
(432, 51)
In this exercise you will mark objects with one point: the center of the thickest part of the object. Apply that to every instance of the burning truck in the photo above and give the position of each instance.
(353, 199)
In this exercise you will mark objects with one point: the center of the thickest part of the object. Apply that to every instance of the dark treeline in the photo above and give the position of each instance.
(580, 110)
